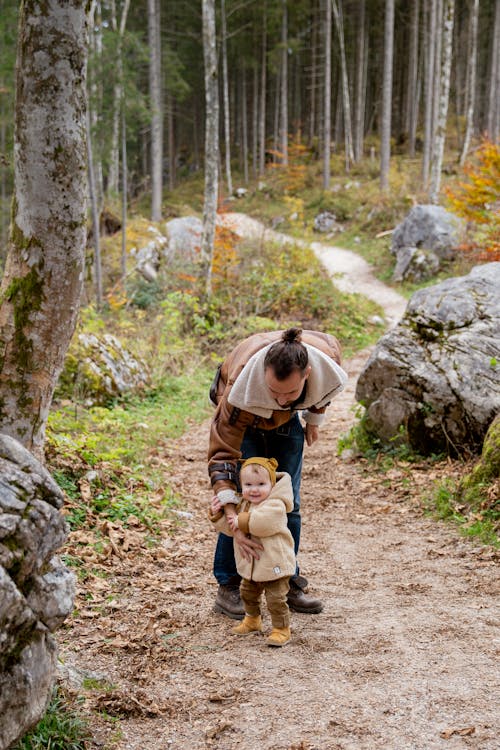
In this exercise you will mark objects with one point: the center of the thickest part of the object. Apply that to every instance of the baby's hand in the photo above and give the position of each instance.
(232, 522)
(215, 505)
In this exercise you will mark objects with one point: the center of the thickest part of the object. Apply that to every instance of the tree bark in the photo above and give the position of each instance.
(359, 118)
(211, 140)
(339, 23)
(42, 282)
(430, 51)
(155, 94)
(327, 119)
(471, 79)
(385, 139)
(493, 117)
(438, 151)
(263, 95)
(284, 86)
(114, 158)
(225, 88)
(412, 81)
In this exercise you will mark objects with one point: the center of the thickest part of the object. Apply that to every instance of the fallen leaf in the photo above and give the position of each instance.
(464, 732)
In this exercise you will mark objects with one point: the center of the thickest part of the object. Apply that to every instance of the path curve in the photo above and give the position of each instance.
(348, 270)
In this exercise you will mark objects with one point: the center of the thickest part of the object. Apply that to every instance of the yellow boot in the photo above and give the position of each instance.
(279, 637)
(249, 624)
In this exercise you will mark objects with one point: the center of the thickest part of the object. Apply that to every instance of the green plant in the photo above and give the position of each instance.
(61, 728)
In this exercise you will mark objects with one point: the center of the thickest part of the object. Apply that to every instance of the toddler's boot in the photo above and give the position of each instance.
(249, 624)
(279, 637)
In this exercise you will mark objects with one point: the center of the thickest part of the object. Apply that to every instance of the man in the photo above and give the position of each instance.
(259, 391)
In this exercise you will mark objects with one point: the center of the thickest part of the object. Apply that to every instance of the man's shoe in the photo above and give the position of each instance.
(228, 602)
(299, 602)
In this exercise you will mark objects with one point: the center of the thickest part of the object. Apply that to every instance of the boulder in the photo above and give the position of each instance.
(184, 238)
(36, 589)
(433, 381)
(148, 257)
(98, 369)
(426, 237)
(325, 222)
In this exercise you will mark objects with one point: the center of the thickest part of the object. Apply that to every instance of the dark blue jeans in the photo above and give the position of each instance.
(286, 445)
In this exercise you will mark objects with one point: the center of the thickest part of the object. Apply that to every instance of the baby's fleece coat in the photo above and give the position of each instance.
(265, 522)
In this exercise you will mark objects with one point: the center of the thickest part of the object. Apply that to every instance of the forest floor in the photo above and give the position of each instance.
(404, 655)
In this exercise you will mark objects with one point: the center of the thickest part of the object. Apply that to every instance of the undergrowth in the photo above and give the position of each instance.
(61, 728)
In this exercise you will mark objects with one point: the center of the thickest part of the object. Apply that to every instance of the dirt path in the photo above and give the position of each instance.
(403, 657)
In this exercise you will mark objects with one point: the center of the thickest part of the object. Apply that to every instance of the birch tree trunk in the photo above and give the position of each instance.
(96, 265)
(445, 73)
(471, 78)
(96, 93)
(42, 283)
(359, 118)
(412, 83)
(225, 87)
(385, 139)
(493, 118)
(155, 94)
(430, 39)
(211, 140)
(339, 23)
(244, 124)
(114, 156)
(327, 120)
(263, 95)
(284, 86)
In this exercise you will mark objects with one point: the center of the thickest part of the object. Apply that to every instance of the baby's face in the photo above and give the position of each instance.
(255, 483)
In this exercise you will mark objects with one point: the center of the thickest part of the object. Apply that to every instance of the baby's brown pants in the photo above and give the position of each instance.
(275, 591)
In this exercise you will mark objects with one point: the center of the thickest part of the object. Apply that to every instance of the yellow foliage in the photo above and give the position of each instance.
(477, 198)
(225, 256)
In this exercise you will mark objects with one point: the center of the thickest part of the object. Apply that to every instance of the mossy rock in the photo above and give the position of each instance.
(482, 484)
(99, 369)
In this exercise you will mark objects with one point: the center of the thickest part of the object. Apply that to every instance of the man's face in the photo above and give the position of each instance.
(286, 391)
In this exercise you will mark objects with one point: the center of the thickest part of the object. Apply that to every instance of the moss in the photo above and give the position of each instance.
(477, 488)
(25, 293)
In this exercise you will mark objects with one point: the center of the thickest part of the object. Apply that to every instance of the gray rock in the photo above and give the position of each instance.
(433, 381)
(325, 222)
(414, 264)
(148, 257)
(36, 590)
(184, 238)
(430, 229)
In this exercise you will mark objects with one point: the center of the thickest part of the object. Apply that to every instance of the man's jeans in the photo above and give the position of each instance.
(286, 445)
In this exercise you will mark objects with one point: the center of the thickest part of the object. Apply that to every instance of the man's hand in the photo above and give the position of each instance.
(248, 548)
(312, 433)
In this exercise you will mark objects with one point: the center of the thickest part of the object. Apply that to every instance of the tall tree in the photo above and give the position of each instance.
(211, 140)
(361, 55)
(493, 117)
(225, 89)
(155, 93)
(429, 104)
(385, 135)
(263, 94)
(346, 101)
(471, 77)
(411, 114)
(284, 85)
(327, 116)
(444, 91)
(42, 283)
(119, 31)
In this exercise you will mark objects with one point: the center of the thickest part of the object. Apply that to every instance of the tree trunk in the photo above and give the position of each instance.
(42, 282)
(211, 140)
(359, 119)
(263, 96)
(412, 81)
(430, 39)
(225, 87)
(244, 124)
(493, 117)
(385, 136)
(445, 72)
(97, 266)
(156, 108)
(124, 199)
(284, 86)
(327, 127)
(471, 79)
(114, 158)
(339, 23)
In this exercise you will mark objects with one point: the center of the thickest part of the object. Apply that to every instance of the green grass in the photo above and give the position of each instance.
(482, 525)
(61, 728)
(110, 450)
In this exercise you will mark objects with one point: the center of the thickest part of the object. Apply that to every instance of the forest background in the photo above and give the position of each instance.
(359, 108)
